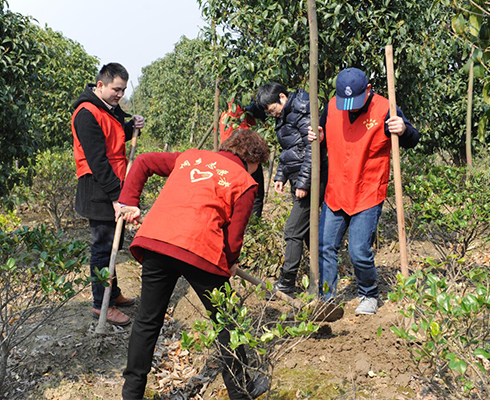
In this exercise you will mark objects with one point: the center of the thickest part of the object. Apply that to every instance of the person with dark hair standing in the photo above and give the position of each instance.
(358, 129)
(194, 229)
(292, 113)
(99, 135)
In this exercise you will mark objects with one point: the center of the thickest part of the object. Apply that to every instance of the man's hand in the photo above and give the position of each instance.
(279, 186)
(396, 125)
(139, 121)
(117, 209)
(131, 214)
(301, 193)
(313, 136)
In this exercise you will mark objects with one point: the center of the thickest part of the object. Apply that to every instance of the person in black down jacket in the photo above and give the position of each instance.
(292, 113)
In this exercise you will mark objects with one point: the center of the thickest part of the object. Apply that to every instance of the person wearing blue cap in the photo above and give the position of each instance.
(358, 130)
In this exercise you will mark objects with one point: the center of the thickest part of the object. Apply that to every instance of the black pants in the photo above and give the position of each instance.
(298, 227)
(100, 255)
(259, 200)
(160, 275)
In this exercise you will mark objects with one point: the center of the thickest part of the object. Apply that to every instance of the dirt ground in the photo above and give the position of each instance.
(356, 357)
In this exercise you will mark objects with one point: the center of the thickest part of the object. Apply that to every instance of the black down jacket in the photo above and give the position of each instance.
(292, 134)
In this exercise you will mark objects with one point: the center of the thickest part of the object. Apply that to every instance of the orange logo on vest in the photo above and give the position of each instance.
(370, 123)
(197, 175)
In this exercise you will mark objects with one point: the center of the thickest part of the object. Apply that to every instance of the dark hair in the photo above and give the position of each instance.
(110, 71)
(248, 145)
(269, 94)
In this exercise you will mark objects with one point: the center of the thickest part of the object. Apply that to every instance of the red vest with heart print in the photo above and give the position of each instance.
(358, 157)
(196, 204)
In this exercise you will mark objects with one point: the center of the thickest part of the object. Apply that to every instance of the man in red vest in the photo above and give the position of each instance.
(194, 229)
(358, 130)
(99, 136)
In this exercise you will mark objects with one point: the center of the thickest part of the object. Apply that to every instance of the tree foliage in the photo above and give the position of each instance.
(268, 40)
(41, 73)
(175, 96)
(64, 70)
(20, 58)
(471, 23)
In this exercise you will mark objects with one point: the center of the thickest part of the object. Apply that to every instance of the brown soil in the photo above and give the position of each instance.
(357, 357)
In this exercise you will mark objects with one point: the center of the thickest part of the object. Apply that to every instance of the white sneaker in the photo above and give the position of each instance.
(368, 305)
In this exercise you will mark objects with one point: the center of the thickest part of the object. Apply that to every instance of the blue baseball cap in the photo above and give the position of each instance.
(351, 89)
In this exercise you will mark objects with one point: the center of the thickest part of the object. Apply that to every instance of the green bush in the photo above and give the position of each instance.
(267, 337)
(450, 205)
(447, 312)
(54, 186)
(39, 272)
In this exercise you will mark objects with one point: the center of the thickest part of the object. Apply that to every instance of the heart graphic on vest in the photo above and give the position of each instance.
(369, 125)
(197, 175)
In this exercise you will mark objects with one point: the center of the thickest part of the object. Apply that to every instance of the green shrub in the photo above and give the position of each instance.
(54, 186)
(450, 205)
(39, 272)
(267, 337)
(447, 313)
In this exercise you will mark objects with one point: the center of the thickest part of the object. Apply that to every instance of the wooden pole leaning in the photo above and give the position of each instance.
(100, 329)
(315, 150)
(257, 282)
(395, 147)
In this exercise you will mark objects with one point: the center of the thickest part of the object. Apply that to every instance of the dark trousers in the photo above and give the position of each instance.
(159, 277)
(259, 200)
(102, 237)
(298, 228)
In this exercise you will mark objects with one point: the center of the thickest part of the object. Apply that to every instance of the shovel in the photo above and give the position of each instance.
(115, 247)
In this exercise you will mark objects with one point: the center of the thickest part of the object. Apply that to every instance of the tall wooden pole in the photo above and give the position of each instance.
(395, 148)
(315, 150)
(216, 93)
(216, 115)
(469, 109)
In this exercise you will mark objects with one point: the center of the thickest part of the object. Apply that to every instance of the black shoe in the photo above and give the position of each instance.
(289, 290)
(285, 284)
(259, 386)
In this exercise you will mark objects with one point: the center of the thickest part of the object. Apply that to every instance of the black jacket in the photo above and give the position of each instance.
(292, 134)
(95, 193)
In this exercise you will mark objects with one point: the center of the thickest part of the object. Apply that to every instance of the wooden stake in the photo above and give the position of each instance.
(100, 329)
(315, 150)
(395, 147)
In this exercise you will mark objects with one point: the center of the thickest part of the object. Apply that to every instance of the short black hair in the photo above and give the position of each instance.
(110, 71)
(269, 94)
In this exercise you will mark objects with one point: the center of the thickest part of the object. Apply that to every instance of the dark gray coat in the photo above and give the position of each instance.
(292, 134)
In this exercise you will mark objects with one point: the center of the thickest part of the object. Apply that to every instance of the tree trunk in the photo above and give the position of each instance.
(469, 159)
(315, 150)
(4, 354)
(193, 126)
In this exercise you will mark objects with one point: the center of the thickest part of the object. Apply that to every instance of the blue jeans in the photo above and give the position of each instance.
(362, 229)
(100, 255)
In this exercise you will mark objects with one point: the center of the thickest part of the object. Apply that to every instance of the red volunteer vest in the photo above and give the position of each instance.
(196, 204)
(358, 158)
(115, 140)
(230, 121)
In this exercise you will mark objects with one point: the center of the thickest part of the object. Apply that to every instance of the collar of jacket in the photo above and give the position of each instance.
(89, 95)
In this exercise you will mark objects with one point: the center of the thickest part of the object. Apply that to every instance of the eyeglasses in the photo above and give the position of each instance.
(272, 110)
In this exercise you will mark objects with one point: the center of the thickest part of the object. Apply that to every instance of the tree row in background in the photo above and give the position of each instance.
(175, 94)
(41, 73)
(260, 41)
